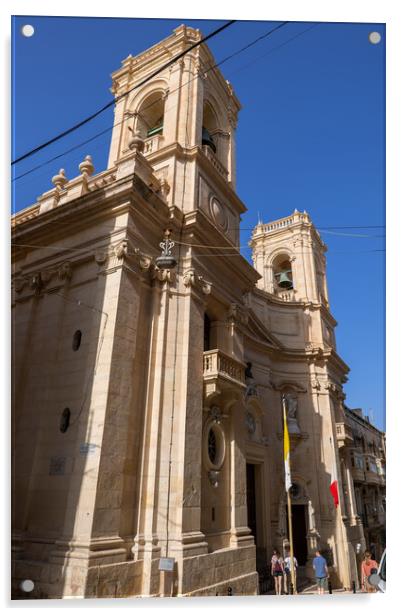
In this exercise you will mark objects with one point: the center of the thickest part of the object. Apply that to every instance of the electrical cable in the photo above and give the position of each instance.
(103, 132)
(234, 254)
(116, 99)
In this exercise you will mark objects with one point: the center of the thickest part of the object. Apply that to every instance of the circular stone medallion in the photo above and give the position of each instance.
(218, 213)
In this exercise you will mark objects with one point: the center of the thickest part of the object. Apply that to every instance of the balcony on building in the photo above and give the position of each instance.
(344, 434)
(358, 465)
(222, 372)
(372, 475)
(358, 475)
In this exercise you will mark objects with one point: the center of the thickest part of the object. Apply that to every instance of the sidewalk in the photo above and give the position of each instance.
(311, 589)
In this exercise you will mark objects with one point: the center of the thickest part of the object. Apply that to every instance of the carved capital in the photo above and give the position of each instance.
(167, 276)
(20, 283)
(100, 257)
(191, 279)
(120, 249)
(113, 255)
(143, 260)
(36, 283)
(335, 390)
(65, 271)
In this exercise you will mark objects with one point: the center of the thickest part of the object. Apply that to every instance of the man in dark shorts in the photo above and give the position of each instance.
(321, 572)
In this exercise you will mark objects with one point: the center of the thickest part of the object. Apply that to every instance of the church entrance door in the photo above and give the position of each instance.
(299, 533)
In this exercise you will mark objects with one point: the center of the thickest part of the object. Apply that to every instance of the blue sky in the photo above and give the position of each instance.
(311, 136)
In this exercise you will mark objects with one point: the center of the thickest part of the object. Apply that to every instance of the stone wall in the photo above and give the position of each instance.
(213, 573)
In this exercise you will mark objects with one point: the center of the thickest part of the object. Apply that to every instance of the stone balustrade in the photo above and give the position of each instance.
(66, 190)
(152, 144)
(215, 162)
(219, 365)
(286, 296)
(281, 223)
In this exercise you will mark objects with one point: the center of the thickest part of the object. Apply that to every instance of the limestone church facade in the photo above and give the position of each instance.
(148, 379)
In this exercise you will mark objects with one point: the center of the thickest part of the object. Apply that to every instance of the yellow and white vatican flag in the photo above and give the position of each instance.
(286, 448)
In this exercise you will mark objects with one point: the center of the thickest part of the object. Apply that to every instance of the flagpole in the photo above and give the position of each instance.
(286, 451)
(292, 564)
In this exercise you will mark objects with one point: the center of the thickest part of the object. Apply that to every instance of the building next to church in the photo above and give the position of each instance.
(364, 462)
(148, 391)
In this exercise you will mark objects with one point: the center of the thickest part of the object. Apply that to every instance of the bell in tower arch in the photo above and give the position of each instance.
(207, 139)
(284, 281)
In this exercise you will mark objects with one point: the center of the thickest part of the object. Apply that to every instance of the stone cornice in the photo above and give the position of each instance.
(196, 154)
(360, 420)
(88, 212)
(165, 50)
(296, 221)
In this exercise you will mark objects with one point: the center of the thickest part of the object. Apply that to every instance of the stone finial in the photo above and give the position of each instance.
(60, 179)
(86, 167)
(136, 142)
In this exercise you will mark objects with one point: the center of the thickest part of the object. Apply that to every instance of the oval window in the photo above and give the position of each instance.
(65, 420)
(77, 340)
(212, 446)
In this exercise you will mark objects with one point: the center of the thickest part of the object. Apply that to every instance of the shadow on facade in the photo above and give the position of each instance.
(56, 452)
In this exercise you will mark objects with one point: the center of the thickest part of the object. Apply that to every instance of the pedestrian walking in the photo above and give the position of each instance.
(287, 578)
(368, 564)
(277, 570)
(321, 572)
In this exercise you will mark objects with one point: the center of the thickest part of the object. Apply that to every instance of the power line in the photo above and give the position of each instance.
(116, 99)
(318, 228)
(108, 129)
(235, 253)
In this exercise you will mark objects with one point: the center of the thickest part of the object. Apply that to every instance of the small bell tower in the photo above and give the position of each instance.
(185, 118)
(290, 256)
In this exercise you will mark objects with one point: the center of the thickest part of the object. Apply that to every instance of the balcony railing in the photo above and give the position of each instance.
(373, 478)
(218, 365)
(358, 474)
(344, 434)
(215, 162)
(151, 144)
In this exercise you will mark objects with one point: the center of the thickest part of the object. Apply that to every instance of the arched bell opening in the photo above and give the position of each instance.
(209, 126)
(282, 273)
(150, 116)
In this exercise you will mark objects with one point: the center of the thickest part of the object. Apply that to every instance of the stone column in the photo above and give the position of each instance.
(182, 536)
(119, 131)
(240, 534)
(351, 490)
(146, 545)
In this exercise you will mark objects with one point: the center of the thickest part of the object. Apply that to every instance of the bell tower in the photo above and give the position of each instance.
(184, 119)
(289, 254)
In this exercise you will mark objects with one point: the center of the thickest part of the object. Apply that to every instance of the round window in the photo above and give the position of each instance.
(214, 446)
